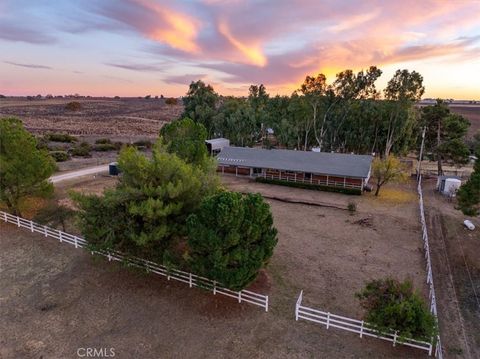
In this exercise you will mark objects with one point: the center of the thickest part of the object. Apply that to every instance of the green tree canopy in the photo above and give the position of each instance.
(445, 134)
(469, 193)
(200, 105)
(186, 139)
(230, 238)
(24, 169)
(394, 305)
(147, 211)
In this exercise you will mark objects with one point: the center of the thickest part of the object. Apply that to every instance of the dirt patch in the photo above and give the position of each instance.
(456, 270)
(90, 302)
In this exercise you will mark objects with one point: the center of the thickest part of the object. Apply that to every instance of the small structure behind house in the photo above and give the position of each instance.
(448, 185)
(215, 145)
(113, 169)
(319, 169)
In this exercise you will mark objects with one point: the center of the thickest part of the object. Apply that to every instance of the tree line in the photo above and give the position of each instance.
(347, 115)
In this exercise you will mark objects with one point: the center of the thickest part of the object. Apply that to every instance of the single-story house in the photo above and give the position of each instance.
(215, 145)
(315, 168)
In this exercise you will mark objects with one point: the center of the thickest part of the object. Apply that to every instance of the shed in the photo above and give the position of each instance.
(215, 145)
(448, 185)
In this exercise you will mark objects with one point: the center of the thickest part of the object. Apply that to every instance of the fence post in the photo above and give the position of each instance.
(109, 257)
(190, 280)
(395, 338)
(60, 233)
(328, 320)
(31, 226)
(18, 221)
(240, 296)
(361, 330)
(266, 303)
(5, 216)
(214, 287)
(76, 244)
(45, 231)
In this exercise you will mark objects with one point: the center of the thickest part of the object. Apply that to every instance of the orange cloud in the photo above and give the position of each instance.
(253, 53)
(180, 31)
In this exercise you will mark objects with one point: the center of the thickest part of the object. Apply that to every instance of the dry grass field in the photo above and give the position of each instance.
(472, 113)
(118, 119)
(56, 299)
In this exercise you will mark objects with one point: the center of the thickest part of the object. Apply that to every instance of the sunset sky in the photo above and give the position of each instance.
(140, 47)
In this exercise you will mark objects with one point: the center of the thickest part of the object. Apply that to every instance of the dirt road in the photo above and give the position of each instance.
(79, 173)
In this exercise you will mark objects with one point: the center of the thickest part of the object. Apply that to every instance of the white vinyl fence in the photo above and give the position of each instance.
(353, 325)
(426, 247)
(191, 279)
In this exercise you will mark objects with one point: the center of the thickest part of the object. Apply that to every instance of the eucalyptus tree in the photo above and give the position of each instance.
(403, 90)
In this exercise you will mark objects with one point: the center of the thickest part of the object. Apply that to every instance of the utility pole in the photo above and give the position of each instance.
(421, 153)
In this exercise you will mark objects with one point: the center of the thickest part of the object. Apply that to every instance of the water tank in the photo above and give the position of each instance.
(451, 186)
(113, 169)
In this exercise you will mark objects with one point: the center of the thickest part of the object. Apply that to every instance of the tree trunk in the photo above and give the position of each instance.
(377, 191)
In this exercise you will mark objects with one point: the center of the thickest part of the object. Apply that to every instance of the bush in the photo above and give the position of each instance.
(103, 141)
(73, 106)
(352, 207)
(171, 101)
(60, 137)
(104, 147)
(82, 150)
(351, 191)
(230, 238)
(59, 156)
(393, 305)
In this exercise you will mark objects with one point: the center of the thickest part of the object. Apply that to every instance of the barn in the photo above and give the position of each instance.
(335, 170)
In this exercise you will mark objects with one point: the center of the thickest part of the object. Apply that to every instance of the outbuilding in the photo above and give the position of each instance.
(215, 145)
(336, 170)
(448, 185)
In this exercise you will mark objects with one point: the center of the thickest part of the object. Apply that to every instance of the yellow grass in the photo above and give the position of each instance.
(397, 195)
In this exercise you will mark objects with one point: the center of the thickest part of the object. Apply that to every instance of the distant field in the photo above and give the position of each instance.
(472, 113)
(115, 118)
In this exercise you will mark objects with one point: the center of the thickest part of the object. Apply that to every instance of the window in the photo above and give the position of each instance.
(257, 170)
(307, 175)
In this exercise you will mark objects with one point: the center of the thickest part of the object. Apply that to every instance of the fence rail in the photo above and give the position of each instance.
(426, 247)
(354, 325)
(192, 280)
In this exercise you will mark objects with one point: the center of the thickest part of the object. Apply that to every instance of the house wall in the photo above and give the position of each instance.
(290, 176)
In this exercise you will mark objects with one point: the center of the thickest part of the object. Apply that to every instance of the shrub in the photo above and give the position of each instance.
(3, 96)
(59, 156)
(352, 207)
(104, 147)
(60, 137)
(73, 106)
(393, 305)
(351, 191)
(171, 101)
(82, 150)
(103, 141)
(230, 238)
(54, 215)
